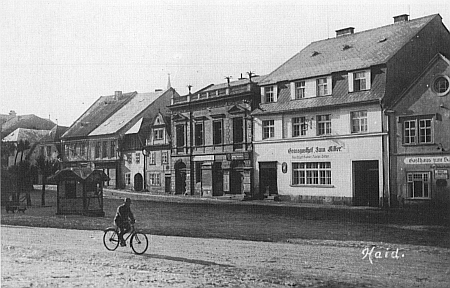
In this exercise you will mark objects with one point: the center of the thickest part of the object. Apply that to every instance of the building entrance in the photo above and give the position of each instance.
(365, 183)
(268, 178)
(180, 178)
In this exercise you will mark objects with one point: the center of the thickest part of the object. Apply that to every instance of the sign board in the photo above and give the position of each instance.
(427, 160)
(203, 158)
(441, 174)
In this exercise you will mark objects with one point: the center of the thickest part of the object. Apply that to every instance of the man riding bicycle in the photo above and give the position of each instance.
(124, 217)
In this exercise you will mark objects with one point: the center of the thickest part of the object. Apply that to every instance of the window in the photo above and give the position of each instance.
(49, 151)
(97, 150)
(268, 94)
(179, 130)
(159, 134)
(138, 157)
(359, 121)
(152, 158)
(268, 127)
(42, 151)
(238, 130)
(418, 184)
(112, 149)
(127, 178)
(154, 179)
(129, 159)
(104, 149)
(360, 81)
(217, 132)
(311, 173)
(164, 157)
(82, 149)
(198, 134)
(300, 90)
(418, 131)
(323, 124)
(299, 126)
(322, 87)
(441, 85)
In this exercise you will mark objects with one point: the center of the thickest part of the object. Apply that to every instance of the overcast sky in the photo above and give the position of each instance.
(58, 57)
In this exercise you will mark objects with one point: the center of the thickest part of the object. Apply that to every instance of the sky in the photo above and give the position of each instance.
(58, 57)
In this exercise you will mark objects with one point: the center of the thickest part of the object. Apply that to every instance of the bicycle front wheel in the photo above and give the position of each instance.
(139, 243)
(111, 239)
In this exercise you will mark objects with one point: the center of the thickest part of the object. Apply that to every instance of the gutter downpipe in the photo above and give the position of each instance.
(386, 156)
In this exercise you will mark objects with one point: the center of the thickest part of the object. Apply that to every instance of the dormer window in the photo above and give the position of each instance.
(159, 134)
(322, 86)
(359, 81)
(269, 94)
(300, 90)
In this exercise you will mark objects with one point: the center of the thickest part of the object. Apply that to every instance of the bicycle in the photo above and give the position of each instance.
(138, 240)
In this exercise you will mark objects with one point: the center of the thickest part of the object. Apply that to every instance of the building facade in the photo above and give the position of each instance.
(321, 131)
(157, 155)
(420, 129)
(212, 139)
(110, 136)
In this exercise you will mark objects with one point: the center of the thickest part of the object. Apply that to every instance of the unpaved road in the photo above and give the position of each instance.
(48, 257)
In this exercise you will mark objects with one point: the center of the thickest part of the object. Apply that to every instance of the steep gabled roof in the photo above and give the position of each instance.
(30, 121)
(127, 113)
(92, 118)
(348, 52)
(31, 135)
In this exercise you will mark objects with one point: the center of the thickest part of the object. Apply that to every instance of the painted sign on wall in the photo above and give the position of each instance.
(427, 160)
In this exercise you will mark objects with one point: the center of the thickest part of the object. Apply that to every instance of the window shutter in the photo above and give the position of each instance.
(275, 93)
(350, 82)
(292, 90)
(368, 79)
(262, 95)
(330, 85)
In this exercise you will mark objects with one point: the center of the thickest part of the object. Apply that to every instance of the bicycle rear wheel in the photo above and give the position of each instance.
(111, 239)
(139, 243)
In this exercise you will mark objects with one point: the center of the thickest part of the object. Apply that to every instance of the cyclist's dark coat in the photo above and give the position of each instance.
(123, 215)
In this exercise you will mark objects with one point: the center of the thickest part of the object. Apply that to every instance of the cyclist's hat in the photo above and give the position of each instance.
(127, 200)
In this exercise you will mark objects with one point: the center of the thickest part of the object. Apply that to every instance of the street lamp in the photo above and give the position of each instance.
(145, 154)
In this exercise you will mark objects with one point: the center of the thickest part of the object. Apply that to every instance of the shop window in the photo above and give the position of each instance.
(154, 179)
(268, 127)
(359, 121)
(311, 173)
(323, 124)
(418, 131)
(418, 184)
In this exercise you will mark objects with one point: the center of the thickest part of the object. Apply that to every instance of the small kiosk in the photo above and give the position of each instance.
(80, 191)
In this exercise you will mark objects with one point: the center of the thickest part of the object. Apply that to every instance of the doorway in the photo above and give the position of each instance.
(180, 178)
(268, 178)
(366, 183)
(138, 182)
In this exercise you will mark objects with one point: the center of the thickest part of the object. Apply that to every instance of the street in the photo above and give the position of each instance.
(48, 257)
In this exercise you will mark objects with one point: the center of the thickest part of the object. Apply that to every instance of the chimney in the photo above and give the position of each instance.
(401, 18)
(12, 113)
(117, 95)
(345, 31)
